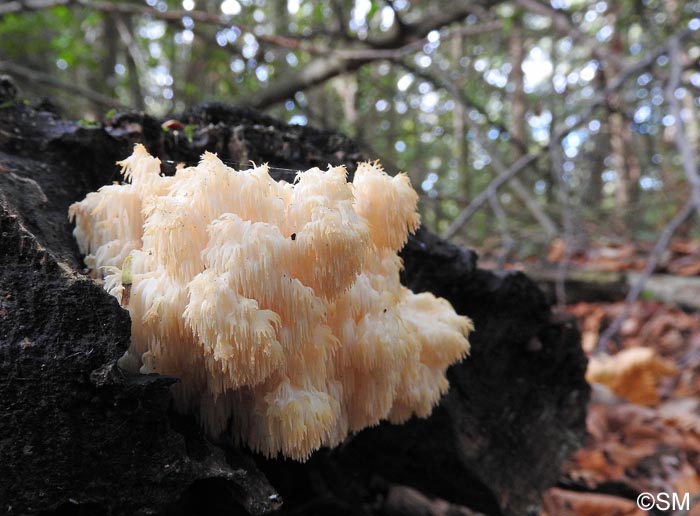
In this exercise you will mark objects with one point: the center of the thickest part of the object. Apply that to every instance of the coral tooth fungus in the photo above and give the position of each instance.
(278, 305)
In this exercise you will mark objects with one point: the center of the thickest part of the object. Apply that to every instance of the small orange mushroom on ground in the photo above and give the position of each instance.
(278, 305)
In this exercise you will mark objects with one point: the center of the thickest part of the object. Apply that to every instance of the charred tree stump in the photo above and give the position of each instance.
(79, 436)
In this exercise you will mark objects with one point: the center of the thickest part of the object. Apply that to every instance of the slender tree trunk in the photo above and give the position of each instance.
(132, 65)
(625, 163)
(593, 186)
(461, 151)
(109, 59)
(518, 108)
(516, 49)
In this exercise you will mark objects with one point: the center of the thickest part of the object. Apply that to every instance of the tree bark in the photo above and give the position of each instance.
(77, 434)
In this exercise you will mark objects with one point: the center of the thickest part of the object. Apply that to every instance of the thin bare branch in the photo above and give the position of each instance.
(172, 16)
(221, 20)
(565, 26)
(50, 80)
(652, 261)
(680, 138)
(328, 62)
(478, 201)
(436, 16)
(557, 163)
(395, 54)
(30, 5)
(556, 139)
(690, 170)
(439, 80)
(335, 62)
(138, 60)
(507, 240)
(548, 225)
(534, 207)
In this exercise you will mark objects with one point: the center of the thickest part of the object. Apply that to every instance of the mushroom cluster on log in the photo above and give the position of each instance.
(80, 436)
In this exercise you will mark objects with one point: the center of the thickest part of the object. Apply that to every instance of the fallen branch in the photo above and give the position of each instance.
(652, 261)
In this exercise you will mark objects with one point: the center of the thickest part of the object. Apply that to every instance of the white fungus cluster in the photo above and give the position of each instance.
(277, 305)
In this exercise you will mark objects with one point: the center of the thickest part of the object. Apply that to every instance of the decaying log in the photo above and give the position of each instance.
(79, 436)
(594, 286)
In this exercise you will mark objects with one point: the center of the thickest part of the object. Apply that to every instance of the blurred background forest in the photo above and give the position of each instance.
(521, 123)
(563, 132)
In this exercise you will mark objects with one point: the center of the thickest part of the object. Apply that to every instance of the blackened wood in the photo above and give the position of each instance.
(77, 434)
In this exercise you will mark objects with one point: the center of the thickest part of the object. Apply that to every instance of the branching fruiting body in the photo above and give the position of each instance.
(278, 305)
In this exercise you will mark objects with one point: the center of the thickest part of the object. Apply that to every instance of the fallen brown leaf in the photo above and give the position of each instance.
(561, 502)
(632, 374)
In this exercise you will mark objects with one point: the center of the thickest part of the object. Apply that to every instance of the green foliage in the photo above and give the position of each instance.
(189, 132)
(647, 295)
(446, 138)
(84, 122)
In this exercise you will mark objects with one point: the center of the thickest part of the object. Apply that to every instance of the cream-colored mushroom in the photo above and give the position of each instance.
(278, 305)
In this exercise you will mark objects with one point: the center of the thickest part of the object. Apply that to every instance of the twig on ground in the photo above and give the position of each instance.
(652, 261)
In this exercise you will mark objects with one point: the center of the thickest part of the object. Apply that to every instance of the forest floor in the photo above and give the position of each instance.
(644, 417)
